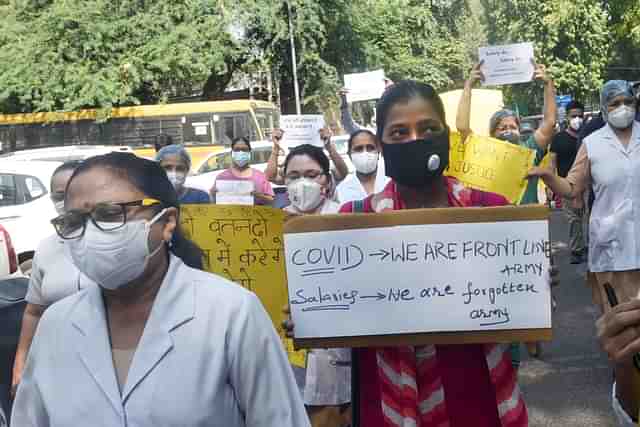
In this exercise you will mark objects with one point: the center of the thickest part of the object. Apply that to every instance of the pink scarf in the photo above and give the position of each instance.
(411, 383)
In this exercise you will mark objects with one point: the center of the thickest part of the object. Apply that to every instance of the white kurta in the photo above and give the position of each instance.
(327, 378)
(53, 274)
(208, 357)
(351, 188)
(614, 228)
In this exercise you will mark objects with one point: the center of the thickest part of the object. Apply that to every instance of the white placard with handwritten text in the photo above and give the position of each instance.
(508, 64)
(303, 129)
(419, 278)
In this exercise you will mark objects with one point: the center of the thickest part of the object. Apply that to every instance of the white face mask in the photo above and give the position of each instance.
(305, 194)
(621, 117)
(114, 258)
(576, 123)
(177, 179)
(365, 162)
(59, 206)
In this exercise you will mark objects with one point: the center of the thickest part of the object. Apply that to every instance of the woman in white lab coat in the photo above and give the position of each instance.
(327, 380)
(608, 161)
(157, 343)
(53, 275)
(369, 176)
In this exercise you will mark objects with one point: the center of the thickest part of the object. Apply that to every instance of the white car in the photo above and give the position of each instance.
(8, 258)
(26, 208)
(64, 153)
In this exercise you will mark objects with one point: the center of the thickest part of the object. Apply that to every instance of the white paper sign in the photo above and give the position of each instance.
(231, 192)
(303, 129)
(364, 86)
(419, 278)
(508, 64)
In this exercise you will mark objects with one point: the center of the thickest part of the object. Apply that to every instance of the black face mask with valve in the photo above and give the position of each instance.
(416, 163)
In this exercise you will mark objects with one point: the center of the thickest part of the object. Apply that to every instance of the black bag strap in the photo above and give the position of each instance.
(357, 206)
(355, 388)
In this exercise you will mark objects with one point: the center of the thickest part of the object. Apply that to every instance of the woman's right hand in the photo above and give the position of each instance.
(475, 76)
(287, 325)
(276, 137)
(16, 377)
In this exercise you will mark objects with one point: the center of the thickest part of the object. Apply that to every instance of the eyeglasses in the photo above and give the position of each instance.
(310, 174)
(627, 102)
(105, 216)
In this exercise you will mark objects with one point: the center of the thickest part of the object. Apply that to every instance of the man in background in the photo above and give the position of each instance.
(564, 149)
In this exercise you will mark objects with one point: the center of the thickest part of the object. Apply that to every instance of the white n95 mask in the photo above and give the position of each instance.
(114, 258)
(621, 117)
(576, 123)
(365, 162)
(177, 179)
(305, 194)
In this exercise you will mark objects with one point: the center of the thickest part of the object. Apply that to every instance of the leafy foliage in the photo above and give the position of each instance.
(570, 36)
(83, 53)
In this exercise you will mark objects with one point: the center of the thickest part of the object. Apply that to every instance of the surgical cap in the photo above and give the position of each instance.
(498, 117)
(174, 150)
(612, 89)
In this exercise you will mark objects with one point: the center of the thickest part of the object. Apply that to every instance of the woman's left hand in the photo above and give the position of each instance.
(325, 135)
(541, 72)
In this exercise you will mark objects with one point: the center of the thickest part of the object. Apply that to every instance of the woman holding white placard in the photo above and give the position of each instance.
(505, 124)
(241, 170)
(455, 385)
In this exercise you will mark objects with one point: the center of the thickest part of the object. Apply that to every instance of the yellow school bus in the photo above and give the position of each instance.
(204, 127)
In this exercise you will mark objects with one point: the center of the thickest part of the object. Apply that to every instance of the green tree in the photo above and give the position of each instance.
(570, 36)
(410, 40)
(103, 53)
(84, 53)
(625, 30)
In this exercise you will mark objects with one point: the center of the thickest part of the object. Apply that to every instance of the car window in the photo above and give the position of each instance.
(218, 162)
(260, 155)
(8, 191)
(35, 189)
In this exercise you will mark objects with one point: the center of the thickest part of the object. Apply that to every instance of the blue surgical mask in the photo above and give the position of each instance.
(509, 136)
(241, 158)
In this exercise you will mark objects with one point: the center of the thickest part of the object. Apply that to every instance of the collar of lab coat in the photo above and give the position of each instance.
(353, 188)
(612, 139)
(173, 307)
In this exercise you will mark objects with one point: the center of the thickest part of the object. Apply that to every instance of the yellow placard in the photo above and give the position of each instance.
(490, 165)
(245, 244)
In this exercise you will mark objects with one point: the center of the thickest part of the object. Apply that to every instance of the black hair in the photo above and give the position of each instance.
(241, 139)
(403, 92)
(360, 132)
(161, 141)
(316, 153)
(575, 105)
(148, 177)
(70, 165)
